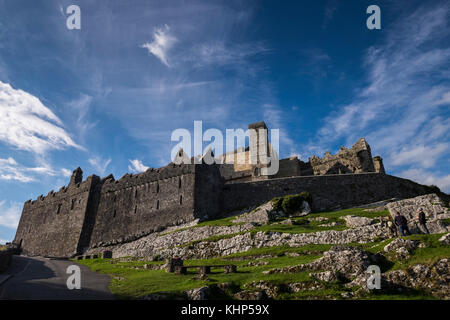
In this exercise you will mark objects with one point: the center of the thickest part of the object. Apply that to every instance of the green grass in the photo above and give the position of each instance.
(303, 225)
(353, 211)
(130, 283)
(280, 250)
(434, 251)
(223, 222)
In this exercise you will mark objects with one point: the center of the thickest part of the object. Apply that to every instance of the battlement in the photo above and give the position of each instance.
(150, 176)
(71, 190)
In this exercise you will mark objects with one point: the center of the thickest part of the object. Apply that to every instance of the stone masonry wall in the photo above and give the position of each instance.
(139, 204)
(329, 192)
(51, 225)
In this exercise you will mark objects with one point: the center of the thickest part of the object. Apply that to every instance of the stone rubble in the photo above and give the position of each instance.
(246, 241)
(152, 244)
(348, 262)
(261, 215)
(399, 243)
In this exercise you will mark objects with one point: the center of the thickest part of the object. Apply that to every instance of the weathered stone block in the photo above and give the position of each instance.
(356, 222)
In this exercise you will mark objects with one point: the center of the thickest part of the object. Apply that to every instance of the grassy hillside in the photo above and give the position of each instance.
(132, 278)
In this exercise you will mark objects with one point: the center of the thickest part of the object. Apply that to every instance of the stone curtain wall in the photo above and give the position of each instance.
(329, 192)
(137, 205)
(51, 225)
(143, 203)
(208, 192)
(97, 211)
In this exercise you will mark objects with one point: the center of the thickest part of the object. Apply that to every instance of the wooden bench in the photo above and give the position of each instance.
(229, 268)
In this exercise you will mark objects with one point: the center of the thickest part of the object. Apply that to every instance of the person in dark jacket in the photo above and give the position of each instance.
(402, 224)
(422, 220)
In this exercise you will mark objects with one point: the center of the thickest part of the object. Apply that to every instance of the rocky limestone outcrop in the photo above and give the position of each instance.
(327, 276)
(304, 210)
(265, 214)
(247, 241)
(198, 293)
(434, 208)
(153, 244)
(250, 295)
(356, 222)
(401, 243)
(269, 289)
(445, 239)
(339, 261)
(261, 215)
(434, 278)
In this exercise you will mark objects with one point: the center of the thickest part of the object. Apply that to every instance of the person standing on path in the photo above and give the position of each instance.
(422, 221)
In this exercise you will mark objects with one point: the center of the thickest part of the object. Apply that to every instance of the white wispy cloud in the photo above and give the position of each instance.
(423, 155)
(11, 170)
(136, 166)
(428, 178)
(162, 42)
(219, 53)
(81, 108)
(401, 110)
(10, 216)
(66, 172)
(100, 165)
(27, 124)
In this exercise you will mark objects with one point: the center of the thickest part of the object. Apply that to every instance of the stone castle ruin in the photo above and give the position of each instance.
(99, 212)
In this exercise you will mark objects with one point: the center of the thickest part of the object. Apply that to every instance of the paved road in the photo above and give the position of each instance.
(43, 279)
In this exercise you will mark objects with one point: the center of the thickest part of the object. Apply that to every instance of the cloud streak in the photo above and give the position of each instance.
(10, 216)
(27, 124)
(100, 165)
(162, 42)
(10, 170)
(136, 166)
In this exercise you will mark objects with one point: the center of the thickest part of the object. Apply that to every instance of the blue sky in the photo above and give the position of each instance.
(108, 96)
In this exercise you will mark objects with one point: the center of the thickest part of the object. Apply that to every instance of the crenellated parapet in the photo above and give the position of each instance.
(71, 190)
